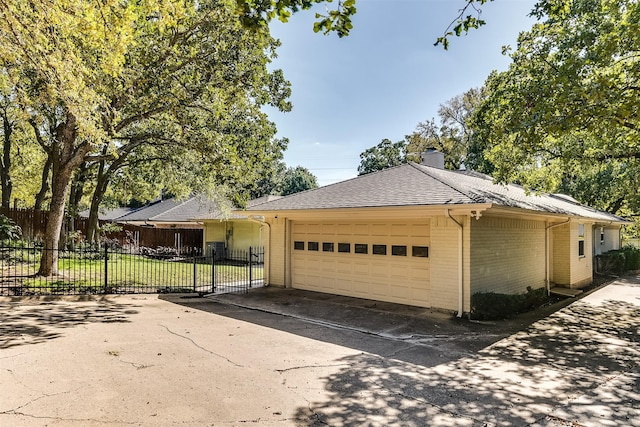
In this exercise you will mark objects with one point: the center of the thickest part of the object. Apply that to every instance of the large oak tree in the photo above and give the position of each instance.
(565, 115)
(100, 80)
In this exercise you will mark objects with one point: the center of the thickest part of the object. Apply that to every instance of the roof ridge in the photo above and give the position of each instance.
(175, 207)
(134, 210)
(422, 168)
(337, 183)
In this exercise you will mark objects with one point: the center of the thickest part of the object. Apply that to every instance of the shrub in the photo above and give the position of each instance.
(632, 258)
(493, 306)
(619, 261)
(8, 229)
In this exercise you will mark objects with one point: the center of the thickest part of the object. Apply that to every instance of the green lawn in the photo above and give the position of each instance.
(124, 273)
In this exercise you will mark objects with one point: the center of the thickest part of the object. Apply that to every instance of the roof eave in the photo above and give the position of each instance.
(408, 211)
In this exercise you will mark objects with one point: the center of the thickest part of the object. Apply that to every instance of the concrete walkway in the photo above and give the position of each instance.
(282, 357)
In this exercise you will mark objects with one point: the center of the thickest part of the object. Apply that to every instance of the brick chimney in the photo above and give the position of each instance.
(433, 158)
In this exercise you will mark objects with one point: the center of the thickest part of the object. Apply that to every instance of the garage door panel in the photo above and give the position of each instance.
(379, 229)
(402, 279)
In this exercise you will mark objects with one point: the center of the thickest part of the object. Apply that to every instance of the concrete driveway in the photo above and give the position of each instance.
(283, 357)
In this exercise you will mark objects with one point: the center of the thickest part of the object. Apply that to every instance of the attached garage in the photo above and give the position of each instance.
(424, 236)
(376, 260)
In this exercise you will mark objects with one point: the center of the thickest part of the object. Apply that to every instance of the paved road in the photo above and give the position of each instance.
(145, 360)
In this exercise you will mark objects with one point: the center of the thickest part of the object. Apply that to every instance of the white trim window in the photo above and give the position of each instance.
(581, 240)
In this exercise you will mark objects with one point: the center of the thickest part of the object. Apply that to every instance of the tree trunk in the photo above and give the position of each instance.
(44, 187)
(5, 167)
(98, 195)
(102, 180)
(76, 192)
(66, 158)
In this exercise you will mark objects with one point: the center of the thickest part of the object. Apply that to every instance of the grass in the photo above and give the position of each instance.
(124, 273)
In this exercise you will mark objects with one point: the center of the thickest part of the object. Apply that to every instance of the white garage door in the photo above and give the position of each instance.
(375, 260)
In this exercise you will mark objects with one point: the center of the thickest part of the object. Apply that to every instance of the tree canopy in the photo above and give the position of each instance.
(453, 134)
(106, 83)
(382, 156)
(295, 180)
(565, 113)
(258, 13)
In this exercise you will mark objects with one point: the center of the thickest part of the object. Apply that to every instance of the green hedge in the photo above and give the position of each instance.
(620, 260)
(493, 306)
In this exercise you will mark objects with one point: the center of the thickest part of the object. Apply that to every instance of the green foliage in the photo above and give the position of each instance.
(619, 261)
(296, 180)
(463, 23)
(385, 155)
(563, 117)
(258, 13)
(453, 135)
(9, 230)
(493, 306)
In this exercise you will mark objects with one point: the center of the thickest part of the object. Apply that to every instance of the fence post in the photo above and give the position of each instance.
(250, 266)
(195, 273)
(106, 267)
(213, 271)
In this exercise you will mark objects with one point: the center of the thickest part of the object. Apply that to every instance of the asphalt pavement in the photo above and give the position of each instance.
(280, 357)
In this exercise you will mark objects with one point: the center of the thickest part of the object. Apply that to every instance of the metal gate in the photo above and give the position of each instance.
(237, 272)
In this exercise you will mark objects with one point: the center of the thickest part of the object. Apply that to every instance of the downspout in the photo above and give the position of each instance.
(460, 261)
(546, 253)
(267, 252)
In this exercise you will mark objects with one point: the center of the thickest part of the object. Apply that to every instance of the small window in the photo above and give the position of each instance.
(344, 247)
(580, 240)
(602, 235)
(327, 247)
(361, 248)
(420, 251)
(379, 250)
(312, 246)
(298, 246)
(397, 250)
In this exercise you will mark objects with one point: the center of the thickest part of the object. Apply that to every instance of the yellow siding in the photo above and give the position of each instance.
(444, 263)
(277, 252)
(570, 269)
(214, 231)
(560, 238)
(243, 235)
(581, 266)
(507, 255)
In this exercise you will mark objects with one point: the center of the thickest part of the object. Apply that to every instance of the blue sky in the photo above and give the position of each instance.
(384, 78)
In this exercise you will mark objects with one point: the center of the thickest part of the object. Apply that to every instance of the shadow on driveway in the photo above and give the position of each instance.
(577, 366)
(32, 320)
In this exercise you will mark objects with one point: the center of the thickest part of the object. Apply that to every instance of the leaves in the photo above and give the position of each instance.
(564, 117)
(384, 155)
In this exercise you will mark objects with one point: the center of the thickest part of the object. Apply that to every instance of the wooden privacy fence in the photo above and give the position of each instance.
(33, 223)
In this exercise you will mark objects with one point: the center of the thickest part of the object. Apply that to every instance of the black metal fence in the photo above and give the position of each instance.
(106, 270)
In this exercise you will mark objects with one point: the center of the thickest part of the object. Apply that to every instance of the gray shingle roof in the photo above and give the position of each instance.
(418, 185)
(108, 215)
(173, 210)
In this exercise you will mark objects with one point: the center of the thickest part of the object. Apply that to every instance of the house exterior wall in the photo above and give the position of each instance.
(611, 239)
(243, 235)
(277, 248)
(214, 231)
(560, 240)
(570, 269)
(507, 255)
(499, 254)
(581, 266)
(444, 253)
(237, 235)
